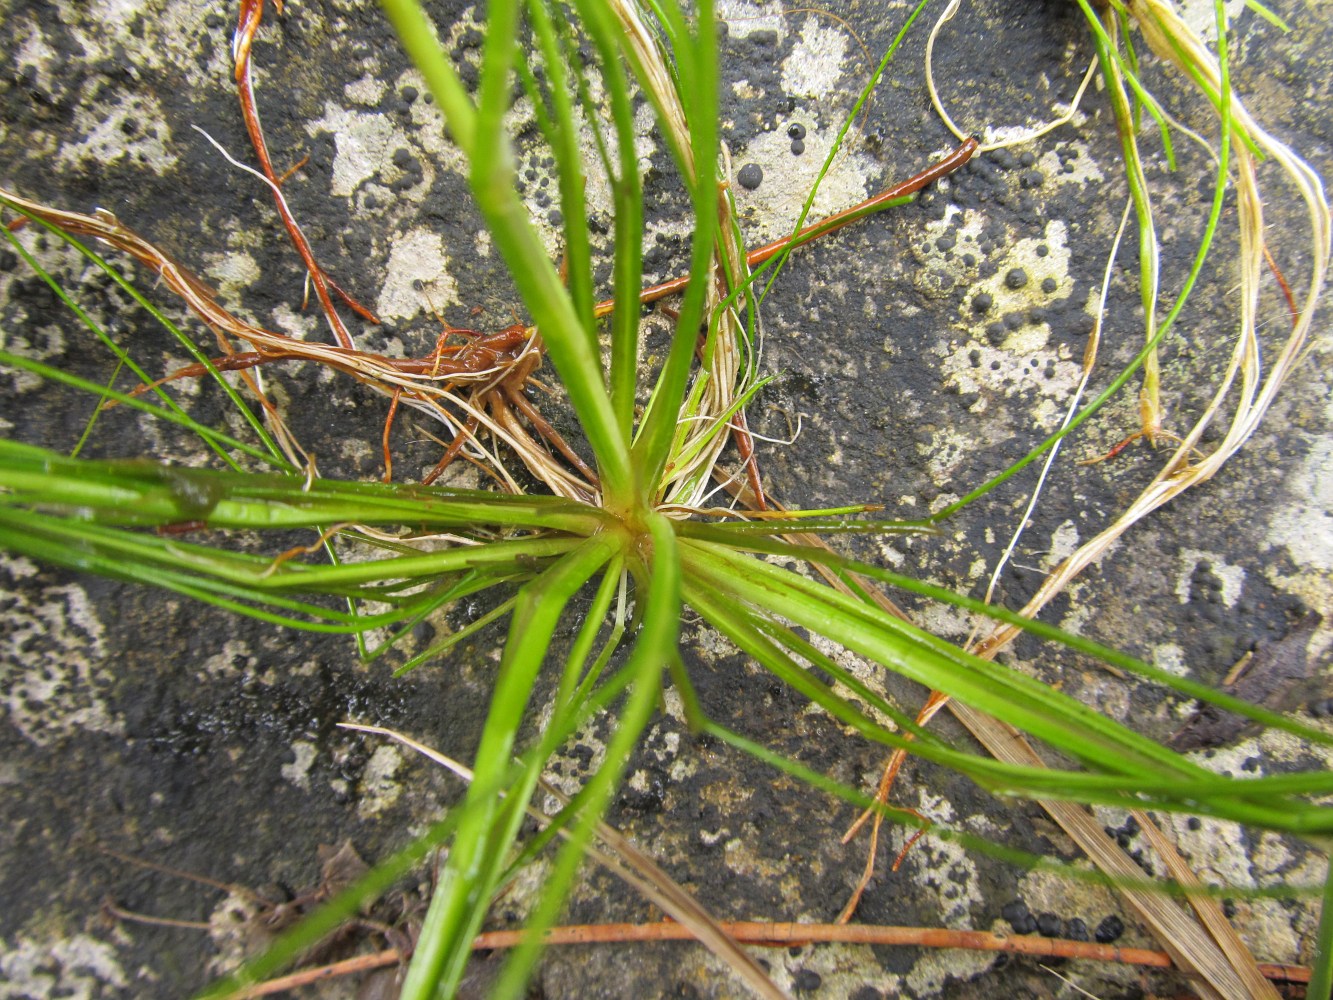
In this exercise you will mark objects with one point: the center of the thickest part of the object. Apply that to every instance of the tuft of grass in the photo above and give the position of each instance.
(656, 434)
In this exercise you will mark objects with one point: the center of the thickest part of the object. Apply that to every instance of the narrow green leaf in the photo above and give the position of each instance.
(661, 626)
(476, 854)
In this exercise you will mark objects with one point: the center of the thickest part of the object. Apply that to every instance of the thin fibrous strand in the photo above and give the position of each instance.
(1028, 136)
(774, 935)
(250, 15)
(547, 432)
(489, 356)
(912, 185)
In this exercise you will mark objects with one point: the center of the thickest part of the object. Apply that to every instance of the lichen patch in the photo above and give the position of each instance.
(744, 17)
(1232, 576)
(34, 51)
(1304, 525)
(771, 210)
(1064, 541)
(122, 131)
(233, 274)
(418, 277)
(364, 145)
(1217, 849)
(815, 64)
(298, 771)
(52, 676)
(378, 790)
(75, 966)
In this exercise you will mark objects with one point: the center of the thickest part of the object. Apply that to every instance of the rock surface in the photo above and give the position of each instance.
(920, 352)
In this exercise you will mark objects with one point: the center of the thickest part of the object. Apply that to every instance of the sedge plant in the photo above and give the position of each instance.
(635, 538)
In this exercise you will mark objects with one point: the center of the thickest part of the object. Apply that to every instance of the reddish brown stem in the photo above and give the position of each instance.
(778, 935)
(461, 438)
(546, 431)
(757, 256)
(1282, 284)
(251, 14)
(913, 184)
(388, 426)
(480, 354)
(740, 433)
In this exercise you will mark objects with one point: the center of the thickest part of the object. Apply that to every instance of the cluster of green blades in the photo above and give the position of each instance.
(639, 567)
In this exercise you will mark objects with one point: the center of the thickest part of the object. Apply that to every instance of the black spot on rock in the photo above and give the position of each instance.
(1050, 925)
(750, 176)
(1109, 930)
(1026, 924)
(806, 980)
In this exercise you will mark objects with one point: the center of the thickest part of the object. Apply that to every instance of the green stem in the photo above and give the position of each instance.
(1321, 974)
(481, 136)
(652, 445)
(457, 908)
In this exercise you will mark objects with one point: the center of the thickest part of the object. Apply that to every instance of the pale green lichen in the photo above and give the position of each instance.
(417, 278)
(110, 136)
(53, 670)
(303, 758)
(378, 790)
(814, 67)
(71, 966)
(1231, 576)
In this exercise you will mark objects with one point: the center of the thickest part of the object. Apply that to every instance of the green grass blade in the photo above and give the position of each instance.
(780, 260)
(627, 197)
(568, 693)
(458, 907)
(468, 584)
(1271, 17)
(1037, 628)
(193, 349)
(609, 647)
(812, 522)
(137, 491)
(1025, 703)
(661, 626)
(134, 558)
(469, 630)
(751, 634)
(1321, 975)
(971, 842)
(480, 134)
(216, 439)
(563, 138)
(97, 412)
(333, 914)
(696, 57)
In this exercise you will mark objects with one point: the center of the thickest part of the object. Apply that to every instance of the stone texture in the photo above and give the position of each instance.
(915, 359)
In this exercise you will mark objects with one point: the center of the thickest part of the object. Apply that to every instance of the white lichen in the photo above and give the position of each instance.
(377, 789)
(52, 653)
(75, 967)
